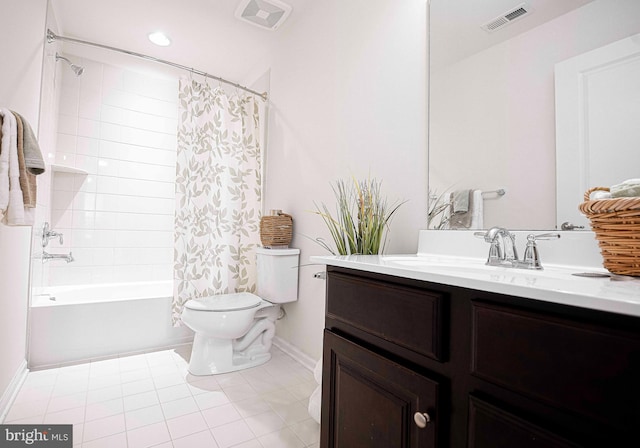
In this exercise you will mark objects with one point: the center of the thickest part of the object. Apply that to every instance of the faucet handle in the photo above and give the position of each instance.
(531, 255)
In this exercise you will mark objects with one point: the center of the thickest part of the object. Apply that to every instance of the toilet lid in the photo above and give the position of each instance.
(225, 302)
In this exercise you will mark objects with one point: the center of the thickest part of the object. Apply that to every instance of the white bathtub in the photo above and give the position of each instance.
(77, 323)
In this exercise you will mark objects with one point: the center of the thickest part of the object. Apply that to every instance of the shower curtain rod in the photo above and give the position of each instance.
(51, 36)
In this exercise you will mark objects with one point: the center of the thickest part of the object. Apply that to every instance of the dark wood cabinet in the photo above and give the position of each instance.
(375, 400)
(489, 370)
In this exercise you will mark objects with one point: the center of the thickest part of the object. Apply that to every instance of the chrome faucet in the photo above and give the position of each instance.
(48, 233)
(66, 257)
(502, 250)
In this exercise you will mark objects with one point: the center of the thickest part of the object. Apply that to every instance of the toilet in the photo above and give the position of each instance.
(234, 331)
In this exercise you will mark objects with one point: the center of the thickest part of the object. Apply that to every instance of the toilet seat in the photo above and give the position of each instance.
(225, 302)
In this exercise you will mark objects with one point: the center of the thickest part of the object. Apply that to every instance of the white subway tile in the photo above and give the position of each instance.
(69, 99)
(136, 170)
(66, 143)
(103, 256)
(159, 88)
(112, 132)
(163, 271)
(106, 220)
(84, 201)
(146, 188)
(150, 139)
(150, 155)
(108, 167)
(61, 218)
(88, 146)
(85, 183)
(91, 78)
(111, 149)
(67, 124)
(60, 275)
(150, 256)
(107, 203)
(102, 274)
(143, 238)
(108, 185)
(89, 109)
(88, 128)
(87, 163)
(112, 78)
(89, 95)
(65, 158)
(133, 273)
(137, 221)
(114, 115)
(84, 219)
(63, 182)
(62, 200)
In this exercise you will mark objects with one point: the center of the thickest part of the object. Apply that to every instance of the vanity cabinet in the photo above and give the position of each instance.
(409, 363)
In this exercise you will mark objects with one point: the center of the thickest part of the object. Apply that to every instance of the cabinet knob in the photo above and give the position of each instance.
(422, 419)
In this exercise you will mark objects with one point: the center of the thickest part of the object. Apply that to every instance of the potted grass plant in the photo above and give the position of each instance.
(361, 222)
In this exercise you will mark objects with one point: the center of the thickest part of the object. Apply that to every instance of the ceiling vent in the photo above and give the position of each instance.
(267, 14)
(508, 17)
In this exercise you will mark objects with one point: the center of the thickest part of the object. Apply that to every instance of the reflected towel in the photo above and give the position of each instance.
(477, 219)
(461, 212)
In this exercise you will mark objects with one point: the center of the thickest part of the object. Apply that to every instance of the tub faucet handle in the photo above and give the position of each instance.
(48, 234)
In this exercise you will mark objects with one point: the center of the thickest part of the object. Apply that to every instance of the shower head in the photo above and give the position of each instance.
(78, 70)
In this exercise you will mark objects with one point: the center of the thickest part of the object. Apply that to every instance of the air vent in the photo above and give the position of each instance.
(508, 17)
(268, 14)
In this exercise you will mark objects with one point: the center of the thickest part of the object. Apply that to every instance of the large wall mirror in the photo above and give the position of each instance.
(500, 119)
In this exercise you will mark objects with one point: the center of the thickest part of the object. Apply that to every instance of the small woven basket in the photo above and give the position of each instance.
(616, 223)
(276, 230)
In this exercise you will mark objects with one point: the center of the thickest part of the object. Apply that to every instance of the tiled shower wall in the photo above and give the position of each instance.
(117, 220)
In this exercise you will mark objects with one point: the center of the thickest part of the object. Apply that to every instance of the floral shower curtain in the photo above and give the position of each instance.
(218, 193)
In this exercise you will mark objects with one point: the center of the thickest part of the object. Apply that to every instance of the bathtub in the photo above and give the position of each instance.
(78, 323)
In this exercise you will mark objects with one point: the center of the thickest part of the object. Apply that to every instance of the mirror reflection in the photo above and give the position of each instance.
(492, 123)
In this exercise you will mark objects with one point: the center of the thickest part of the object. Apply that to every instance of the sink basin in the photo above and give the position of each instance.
(424, 262)
(471, 267)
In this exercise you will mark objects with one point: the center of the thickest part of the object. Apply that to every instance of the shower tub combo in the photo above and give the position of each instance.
(78, 323)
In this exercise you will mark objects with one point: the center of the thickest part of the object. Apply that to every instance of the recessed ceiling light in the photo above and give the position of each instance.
(159, 38)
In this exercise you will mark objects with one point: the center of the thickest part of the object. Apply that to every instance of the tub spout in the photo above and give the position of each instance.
(66, 257)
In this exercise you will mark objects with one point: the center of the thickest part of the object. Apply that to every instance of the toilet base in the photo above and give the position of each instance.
(199, 368)
(211, 356)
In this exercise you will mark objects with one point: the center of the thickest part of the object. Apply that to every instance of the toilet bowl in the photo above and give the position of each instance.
(234, 331)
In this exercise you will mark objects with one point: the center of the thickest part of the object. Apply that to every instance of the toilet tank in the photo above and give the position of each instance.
(277, 274)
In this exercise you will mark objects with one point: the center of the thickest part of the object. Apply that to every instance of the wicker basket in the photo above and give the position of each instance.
(616, 223)
(276, 230)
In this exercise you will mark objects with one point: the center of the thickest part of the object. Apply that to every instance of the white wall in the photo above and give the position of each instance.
(120, 126)
(22, 27)
(494, 113)
(348, 98)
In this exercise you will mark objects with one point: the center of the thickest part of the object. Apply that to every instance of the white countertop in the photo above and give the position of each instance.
(554, 284)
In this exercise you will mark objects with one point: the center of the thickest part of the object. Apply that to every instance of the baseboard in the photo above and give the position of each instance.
(9, 395)
(293, 351)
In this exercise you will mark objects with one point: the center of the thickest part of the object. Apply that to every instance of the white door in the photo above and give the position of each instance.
(597, 123)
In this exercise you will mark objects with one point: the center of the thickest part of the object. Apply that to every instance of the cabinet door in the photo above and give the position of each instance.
(369, 401)
(492, 427)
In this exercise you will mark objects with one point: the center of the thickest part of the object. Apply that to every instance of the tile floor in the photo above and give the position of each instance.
(150, 400)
